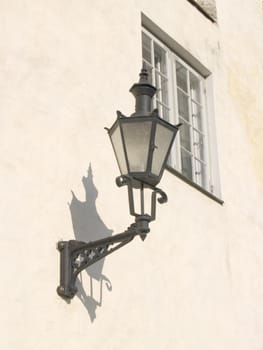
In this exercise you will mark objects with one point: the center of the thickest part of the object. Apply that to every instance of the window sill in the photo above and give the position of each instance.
(191, 183)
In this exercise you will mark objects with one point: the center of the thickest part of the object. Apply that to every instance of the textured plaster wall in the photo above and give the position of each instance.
(196, 281)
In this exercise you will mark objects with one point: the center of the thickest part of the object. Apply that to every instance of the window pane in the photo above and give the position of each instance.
(197, 116)
(150, 72)
(163, 111)
(165, 115)
(146, 48)
(162, 89)
(159, 59)
(198, 145)
(183, 105)
(181, 76)
(186, 164)
(195, 87)
(160, 109)
(199, 173)
(185, 135)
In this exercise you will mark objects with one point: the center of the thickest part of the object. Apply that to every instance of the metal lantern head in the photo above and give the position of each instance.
(143, 141)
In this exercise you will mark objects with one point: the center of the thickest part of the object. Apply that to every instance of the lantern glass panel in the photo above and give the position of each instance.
(118, 149)
(163, 138)
(137, 140)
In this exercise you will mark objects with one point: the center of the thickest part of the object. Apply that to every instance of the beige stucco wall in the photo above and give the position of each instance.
(197, 280)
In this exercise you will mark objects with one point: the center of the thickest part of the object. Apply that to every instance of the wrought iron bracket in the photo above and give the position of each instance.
(76, 256)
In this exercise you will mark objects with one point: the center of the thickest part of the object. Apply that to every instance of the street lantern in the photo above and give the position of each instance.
(141, 143)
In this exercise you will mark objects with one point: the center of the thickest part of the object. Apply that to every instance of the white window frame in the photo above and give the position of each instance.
(211, 177)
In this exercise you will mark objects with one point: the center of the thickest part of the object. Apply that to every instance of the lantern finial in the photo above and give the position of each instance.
(144, 76)
(143, 91)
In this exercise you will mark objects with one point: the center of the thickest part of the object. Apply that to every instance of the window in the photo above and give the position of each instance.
(181, 97)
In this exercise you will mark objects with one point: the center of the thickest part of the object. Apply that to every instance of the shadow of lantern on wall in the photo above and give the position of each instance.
(141, 144)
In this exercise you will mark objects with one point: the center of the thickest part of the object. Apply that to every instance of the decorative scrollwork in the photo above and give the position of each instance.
(122, 180)
(163, 196)
(76, 256)
(87, 256)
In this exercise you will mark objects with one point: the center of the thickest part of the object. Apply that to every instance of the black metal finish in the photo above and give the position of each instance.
(145, 176)
(143, 92)
(76, 256)
(142, 219)
(128, 181)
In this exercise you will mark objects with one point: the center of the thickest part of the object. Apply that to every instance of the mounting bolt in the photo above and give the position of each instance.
(60, 291)
(60, 245)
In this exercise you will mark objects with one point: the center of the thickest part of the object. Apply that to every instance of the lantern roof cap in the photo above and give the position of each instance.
(143, 91)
